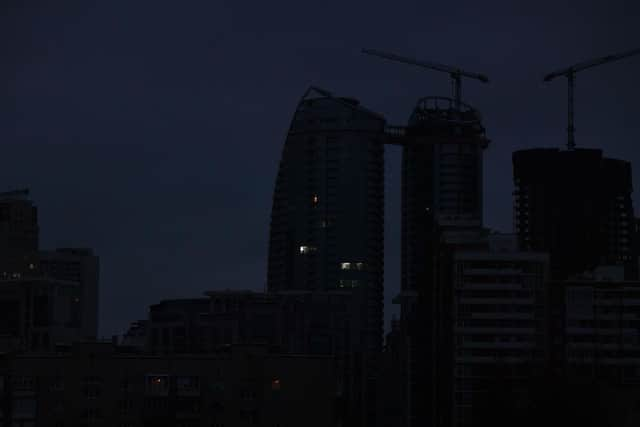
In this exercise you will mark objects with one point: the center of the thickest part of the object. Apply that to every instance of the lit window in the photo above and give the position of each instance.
(275, 384)
(315, 199)
(307, 249)
(157, 384)
(351, 266)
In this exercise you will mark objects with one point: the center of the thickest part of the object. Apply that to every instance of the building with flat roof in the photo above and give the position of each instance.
(19, 234)
(576, 205)
(95, 385)
(596, 328)
(38, 314)
(82, 266)
(499, 313)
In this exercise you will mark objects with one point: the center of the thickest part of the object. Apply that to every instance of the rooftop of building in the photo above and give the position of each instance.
(21, 194)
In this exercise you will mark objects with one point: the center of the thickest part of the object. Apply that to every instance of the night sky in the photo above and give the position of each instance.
(152, 130)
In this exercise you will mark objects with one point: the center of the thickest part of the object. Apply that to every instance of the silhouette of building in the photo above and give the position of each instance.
(81, 266)
(135, 338)
(391, 399)
(94, 384)
(51, 297)
(38, 314)
(290, 322)
(327, 218)
(245, 317)
(499, 319)
(174, 326)
(596, 327)
(442, 174)
(577, 206)
(442, 169)
(19, 233)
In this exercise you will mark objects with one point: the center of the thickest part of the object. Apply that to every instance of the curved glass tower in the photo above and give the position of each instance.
(328, 206)
(327, 226)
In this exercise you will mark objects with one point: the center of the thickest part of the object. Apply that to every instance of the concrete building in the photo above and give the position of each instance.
(81, 266)
(499, 319)
(19, 234)
(38, 314)
(291, 322)
(576, 205)
(327, 219)
(94, 385)
(442, 174)
(442, 202)
(136, 336)
(596, 328)
(174, 326)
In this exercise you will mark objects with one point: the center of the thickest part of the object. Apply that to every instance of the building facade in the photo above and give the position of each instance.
(94, 385)
(596, 324)
(19, 234)
(38, 314)
(442, 175)
(499, 320)
(327, 225)
(576, 205)
(81, 266)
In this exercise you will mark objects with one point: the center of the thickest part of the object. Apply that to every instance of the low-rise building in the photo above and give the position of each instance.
(95, 385)
(596, 328)
(37, 314)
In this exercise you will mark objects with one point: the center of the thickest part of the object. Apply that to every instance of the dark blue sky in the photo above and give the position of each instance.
(151, 130)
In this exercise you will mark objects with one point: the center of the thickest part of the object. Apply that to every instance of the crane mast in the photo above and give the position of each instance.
(455, 73)
(570, 74)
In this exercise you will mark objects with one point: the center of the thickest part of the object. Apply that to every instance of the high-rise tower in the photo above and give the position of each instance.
(18, 234)
(327, 228)
(328, 205)
(442, 174)
(575, 204)
(441, 180)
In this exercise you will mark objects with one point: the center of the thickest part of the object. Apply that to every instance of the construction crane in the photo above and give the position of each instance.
(570, 74)
(455, 73)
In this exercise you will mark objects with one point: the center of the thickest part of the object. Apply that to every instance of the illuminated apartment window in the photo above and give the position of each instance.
(351, 266)
(157, 385)
(345, 266)
(307, 249)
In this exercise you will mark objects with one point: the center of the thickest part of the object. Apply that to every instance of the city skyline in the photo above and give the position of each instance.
(80, 169)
